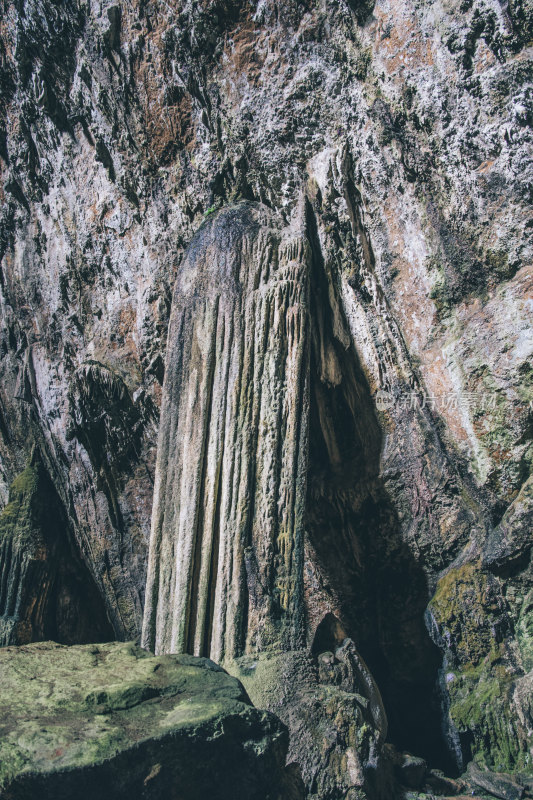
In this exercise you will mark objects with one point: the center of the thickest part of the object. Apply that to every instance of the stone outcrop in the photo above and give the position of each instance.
(482, 672)
(497, 785)
(110, 720)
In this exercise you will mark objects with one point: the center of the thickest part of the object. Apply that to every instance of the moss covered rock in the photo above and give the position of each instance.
(483, 676)
(111, 720)
(334, 712)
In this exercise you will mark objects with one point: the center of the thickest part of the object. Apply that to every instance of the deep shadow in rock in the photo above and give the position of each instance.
(375, 581)
(46, 590)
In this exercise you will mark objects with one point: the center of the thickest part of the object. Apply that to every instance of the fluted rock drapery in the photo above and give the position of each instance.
(226, 549)
(249, 333)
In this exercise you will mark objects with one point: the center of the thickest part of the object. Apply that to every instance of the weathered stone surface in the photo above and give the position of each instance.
(110, 720)
(497, 785)
(408, 128)
(508, 546)
(113, 151)
(437, 783)
(411, 770)
(335, 731)
(409, 795)
(265, 422)
(45, 588)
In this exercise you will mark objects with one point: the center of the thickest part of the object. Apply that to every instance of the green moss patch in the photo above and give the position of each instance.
(102, 720)
(470, 615)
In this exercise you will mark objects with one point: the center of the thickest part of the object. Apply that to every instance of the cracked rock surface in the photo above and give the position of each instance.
(331, 204)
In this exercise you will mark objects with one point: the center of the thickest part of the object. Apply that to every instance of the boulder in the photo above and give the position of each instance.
(438, 783)
(113, 721)
(496, 784)
(411, 771)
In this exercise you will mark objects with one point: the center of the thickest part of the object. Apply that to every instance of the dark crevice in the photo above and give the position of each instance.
(379, 588)
(329, 635)
(107, 423)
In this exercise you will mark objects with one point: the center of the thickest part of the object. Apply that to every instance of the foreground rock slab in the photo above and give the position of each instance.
(112, 720)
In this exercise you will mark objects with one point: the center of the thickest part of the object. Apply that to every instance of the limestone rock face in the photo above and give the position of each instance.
(363, 170)
(110, 720)
(119, 131)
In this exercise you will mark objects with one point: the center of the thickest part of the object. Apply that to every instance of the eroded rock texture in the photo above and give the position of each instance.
(389, 144)
(226, 553)
(112, 720)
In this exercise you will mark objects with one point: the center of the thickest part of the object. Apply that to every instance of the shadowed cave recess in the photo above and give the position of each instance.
(46, 589)
(353, 530)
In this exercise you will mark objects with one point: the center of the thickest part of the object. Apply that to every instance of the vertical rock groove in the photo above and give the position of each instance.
(225, 569)
(202, 546)
(255, 356)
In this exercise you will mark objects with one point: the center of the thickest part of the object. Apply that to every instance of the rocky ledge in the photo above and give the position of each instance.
(113, 721)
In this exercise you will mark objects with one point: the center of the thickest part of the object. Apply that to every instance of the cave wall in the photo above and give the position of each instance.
(413, 125)
(406, 129)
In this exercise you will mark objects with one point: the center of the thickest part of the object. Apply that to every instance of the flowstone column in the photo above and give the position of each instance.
(226, 565)
(226, 550)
